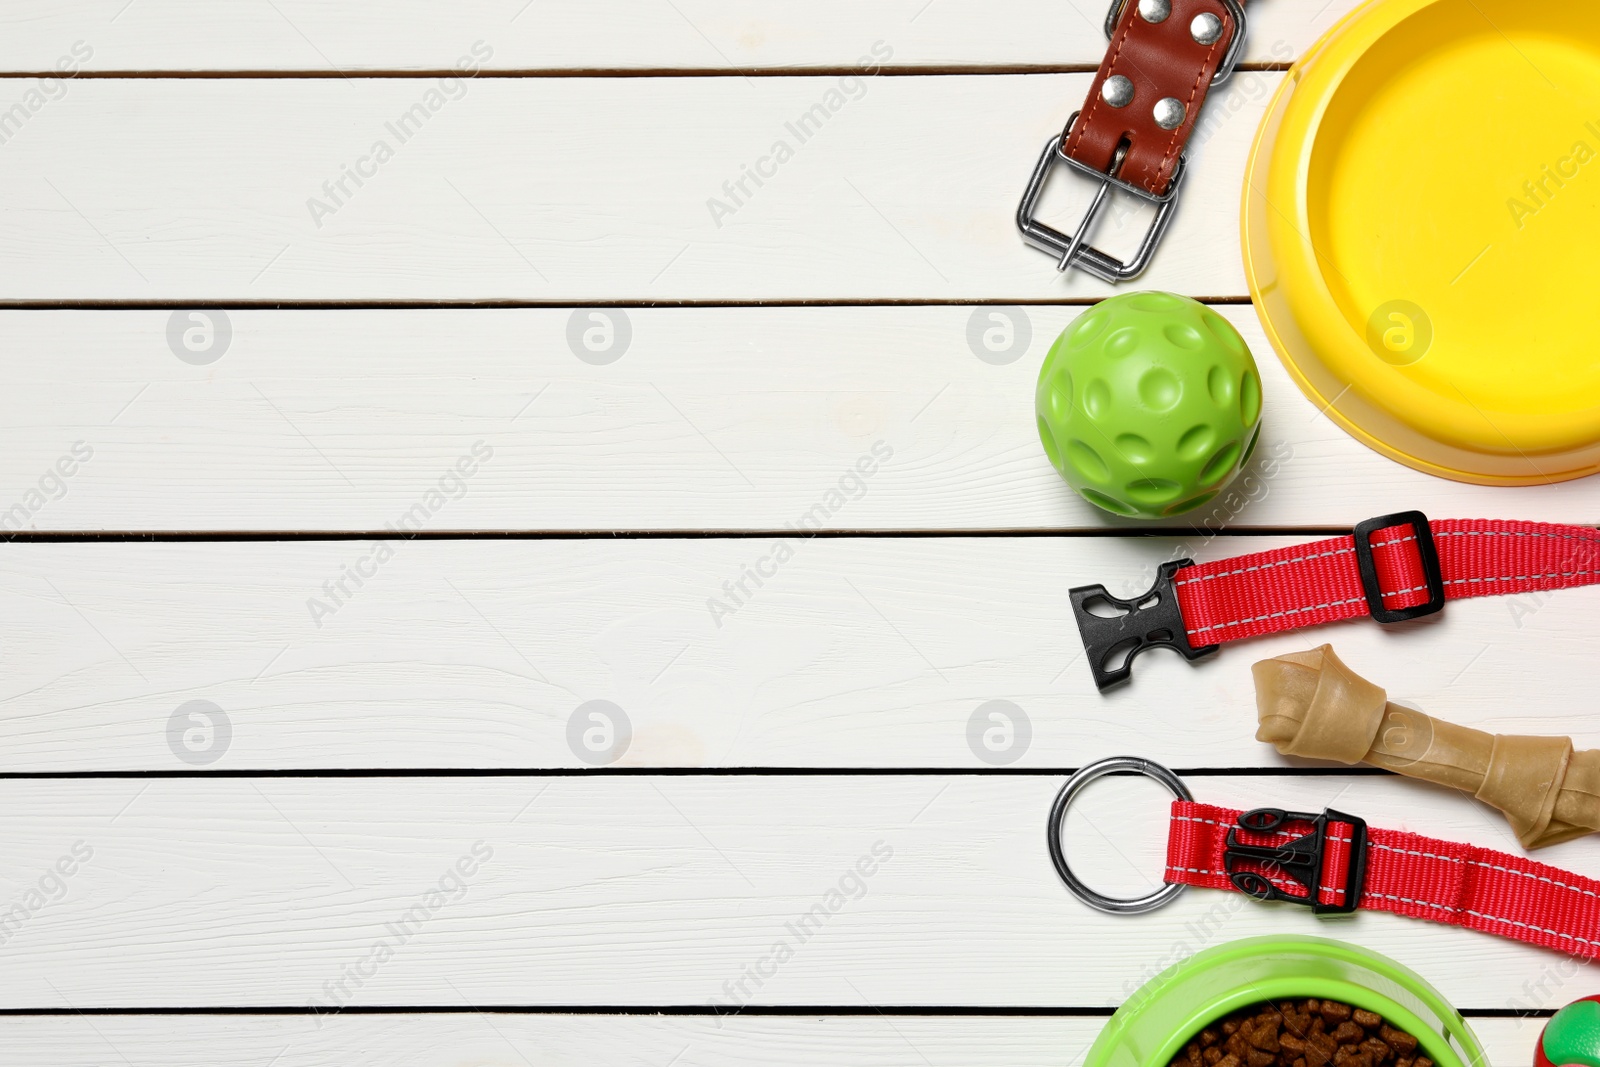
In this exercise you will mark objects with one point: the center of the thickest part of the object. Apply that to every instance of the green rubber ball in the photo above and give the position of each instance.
(1149, 404)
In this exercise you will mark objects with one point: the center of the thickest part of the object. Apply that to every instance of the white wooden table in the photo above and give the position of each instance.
(296, 761)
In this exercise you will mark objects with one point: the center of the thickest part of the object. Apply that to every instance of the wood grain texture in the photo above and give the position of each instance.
(710, 419)
(581, 1041)
(884, 890)
(577, 189)
(639, 891)
(855, 653)
(348, 36)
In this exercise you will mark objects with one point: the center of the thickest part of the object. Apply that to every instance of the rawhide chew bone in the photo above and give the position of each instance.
(1312, 705)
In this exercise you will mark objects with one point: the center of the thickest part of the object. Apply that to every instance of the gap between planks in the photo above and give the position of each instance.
(931, 71)
(515, 305)
(220, 536)
(1320, 771)
(775, 1010)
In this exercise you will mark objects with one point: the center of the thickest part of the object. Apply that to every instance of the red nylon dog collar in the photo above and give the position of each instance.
(1333, 863)
(1393, 568)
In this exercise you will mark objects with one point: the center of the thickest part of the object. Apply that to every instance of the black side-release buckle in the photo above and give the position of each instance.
(1148, 621)
(1298, 859)
(1427, 551)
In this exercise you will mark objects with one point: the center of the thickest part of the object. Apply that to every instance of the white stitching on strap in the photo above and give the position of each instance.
(1479, 863)
(1385, 593)
(1515, 577)
(1530, 926)
(1265, 566)
(1224, 874)
(1409, 900)
(1462, 861)
(1536, 878)
(1423, 904)
(1594, 540)
(1279, 614)
(1296, 559)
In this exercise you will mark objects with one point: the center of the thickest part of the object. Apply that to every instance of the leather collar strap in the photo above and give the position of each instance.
(1392, 568)
(1276, 855)
(1163, 57)
(1147, 94)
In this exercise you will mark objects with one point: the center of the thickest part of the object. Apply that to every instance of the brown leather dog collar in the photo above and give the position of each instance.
(1163, 57)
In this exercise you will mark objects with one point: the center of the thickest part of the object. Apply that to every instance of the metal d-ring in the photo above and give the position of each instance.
(1058, 815)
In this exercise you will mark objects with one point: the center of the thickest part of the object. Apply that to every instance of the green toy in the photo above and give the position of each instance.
(1149, 404)
(1572, 1036)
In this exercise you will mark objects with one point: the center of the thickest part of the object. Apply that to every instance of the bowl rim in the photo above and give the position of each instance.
(1324, 353)
(1467, 1052)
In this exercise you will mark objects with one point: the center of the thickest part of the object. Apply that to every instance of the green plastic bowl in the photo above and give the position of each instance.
(1167, 1011)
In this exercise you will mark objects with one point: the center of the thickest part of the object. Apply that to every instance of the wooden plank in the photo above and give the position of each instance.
(196, 892)
(854, 653)
(709, 418)
(576, 189)
(330, 38)
(583, 1040)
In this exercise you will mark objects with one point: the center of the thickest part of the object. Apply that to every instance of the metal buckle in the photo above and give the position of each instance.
(1072, 248)
(1230, 58)
(1151, 620)
(1298, 859)
(1427, 551)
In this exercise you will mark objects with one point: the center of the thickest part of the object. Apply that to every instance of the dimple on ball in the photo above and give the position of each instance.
(1571, 1037)
(1149, 404)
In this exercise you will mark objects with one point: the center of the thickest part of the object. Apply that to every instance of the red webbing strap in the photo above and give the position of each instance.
(1304, 585)
(1409, 874)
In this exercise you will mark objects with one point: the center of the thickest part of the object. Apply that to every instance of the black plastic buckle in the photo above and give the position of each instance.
(1426, 550)
(1148, 621)
(1299, 859)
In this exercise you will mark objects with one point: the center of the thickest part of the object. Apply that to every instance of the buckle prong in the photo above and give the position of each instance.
(1083, 227)
(1073, 250)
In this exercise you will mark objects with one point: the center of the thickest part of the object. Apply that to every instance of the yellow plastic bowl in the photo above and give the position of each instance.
(1422, 230)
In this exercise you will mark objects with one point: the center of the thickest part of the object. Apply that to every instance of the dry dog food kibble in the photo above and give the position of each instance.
(1301, 1033)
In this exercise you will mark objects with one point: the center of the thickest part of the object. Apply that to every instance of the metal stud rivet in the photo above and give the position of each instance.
(1154, 10)
(1205, 28)
(1117, 91)
(1168, 112)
